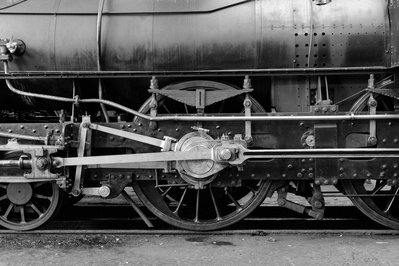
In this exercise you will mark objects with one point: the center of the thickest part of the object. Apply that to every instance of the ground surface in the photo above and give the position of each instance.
(199, 250)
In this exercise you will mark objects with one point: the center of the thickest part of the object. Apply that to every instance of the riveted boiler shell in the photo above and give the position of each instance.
(187, 35)
(164, 35)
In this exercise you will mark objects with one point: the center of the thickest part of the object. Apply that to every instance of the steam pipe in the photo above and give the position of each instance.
(99, 68)
(346, 117)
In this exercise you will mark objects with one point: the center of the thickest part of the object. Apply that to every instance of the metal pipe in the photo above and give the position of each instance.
(205, 73)
(323, 151)
(337, 153)
(99, 67)
(350, 116)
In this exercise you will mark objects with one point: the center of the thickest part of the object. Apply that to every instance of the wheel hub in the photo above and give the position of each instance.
(19, 193)
(197, 172)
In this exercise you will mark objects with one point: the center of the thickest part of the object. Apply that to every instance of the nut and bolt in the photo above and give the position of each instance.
(225, 154)
(42, 163)
(104, 191)
(317, 204)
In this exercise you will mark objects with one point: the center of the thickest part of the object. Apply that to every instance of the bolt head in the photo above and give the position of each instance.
(281, 202)
(104, 191)
(317, 204)
(372, 140)
(225, 154)
(42, 163)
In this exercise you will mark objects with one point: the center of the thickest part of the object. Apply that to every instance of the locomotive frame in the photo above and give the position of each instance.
(233, 159)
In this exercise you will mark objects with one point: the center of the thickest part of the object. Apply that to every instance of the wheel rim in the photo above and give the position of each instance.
(194, 216)
(198, 205)
(381, 209)
(25, 206)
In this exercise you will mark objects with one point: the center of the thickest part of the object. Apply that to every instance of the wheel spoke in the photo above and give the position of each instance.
(166, 192)
(33, 206)
(251, 189)
(180, 201)
(214, 204)
(40, 196)
(8, 210)
(378, 187)
(197, 206)
(4, 186)
(3, 197)
(22, 212)
(166, 109)
(238, 206)
(222, 106)
(186, 108)
(390, 203)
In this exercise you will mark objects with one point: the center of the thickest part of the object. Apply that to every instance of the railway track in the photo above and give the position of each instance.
(120, 219)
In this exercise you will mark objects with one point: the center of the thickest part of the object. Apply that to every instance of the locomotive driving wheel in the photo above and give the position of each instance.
(193, 216)
(199, 202)
(377, 199)
(25, 206)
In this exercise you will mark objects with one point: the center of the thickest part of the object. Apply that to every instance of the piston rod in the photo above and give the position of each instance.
(21, 163)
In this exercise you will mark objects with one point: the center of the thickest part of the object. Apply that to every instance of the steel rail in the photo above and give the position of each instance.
(252, 232)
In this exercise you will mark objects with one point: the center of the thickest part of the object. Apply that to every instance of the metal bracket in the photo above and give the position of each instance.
(153, 102)
(83, 132)
(39, 164)
(372, 140)
(247, 110)
(283, 202)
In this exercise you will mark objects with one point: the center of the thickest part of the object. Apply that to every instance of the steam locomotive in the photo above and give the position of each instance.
(204, 107)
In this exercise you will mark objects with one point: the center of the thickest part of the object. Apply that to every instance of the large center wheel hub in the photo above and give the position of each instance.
(19, 193)
(197, 172)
